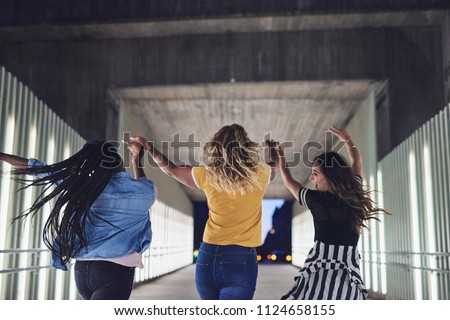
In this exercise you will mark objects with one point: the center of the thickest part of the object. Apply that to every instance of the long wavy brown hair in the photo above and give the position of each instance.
(342, 182)
(232, 161)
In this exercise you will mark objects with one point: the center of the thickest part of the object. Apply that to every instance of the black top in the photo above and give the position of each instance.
(332, 224)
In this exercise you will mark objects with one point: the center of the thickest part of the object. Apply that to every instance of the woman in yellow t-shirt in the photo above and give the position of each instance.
(234, 178)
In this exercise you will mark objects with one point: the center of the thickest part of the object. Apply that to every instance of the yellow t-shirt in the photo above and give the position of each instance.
(233, 219)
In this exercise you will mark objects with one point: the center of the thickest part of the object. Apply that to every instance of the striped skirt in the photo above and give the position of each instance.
(331, 272)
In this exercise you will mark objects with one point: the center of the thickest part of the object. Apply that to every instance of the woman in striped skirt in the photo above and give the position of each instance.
(340, 208)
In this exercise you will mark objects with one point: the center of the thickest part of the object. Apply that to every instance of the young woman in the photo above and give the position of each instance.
(340, 208)
(99, 218)
(234, 178)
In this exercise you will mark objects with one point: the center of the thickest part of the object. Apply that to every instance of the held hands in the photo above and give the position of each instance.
(136, 149)
(139, 140)
(275, 149)
(275, 153)
(137, 146)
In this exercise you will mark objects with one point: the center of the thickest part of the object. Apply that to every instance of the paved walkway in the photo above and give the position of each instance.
(273, 281)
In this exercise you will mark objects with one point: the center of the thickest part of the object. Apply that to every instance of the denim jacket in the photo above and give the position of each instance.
(124, 226)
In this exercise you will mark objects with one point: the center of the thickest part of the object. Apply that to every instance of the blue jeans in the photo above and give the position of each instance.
(103, 280)
(226, 272)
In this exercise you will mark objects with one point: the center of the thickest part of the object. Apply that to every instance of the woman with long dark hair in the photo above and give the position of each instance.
(234, 178)
(341, 208)
(99, 215)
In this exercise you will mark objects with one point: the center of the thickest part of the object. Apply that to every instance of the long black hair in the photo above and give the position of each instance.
(343, 183)
(77, 182)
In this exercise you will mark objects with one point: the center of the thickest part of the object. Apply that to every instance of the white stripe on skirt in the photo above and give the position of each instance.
(331, 272)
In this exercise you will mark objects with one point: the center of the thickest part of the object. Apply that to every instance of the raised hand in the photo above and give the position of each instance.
(342, 134)
(355, 157)
(273, 146)
(144, 141)
(134, 147)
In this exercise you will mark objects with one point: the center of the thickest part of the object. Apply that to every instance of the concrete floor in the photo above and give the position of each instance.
(273, 281)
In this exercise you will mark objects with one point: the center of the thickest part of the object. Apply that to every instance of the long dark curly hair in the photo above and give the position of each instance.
(342, 182)
(73, 185)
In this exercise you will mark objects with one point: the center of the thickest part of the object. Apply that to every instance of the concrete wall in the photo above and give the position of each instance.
(362, 129)
(19, 12)
(73, 77)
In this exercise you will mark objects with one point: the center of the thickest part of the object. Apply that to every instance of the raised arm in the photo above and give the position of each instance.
(137, 152)
(355, 157)
(273, 158)
(181, 173)
(293, 185)
(15, 161)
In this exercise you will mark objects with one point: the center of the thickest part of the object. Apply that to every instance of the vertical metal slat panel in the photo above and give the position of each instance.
(26, 125)
(418, 235)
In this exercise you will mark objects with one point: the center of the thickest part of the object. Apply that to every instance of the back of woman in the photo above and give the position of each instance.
(233, 218)
(234, 178)
(340, 207)
(331, 269)
(331, 217)
(99, 215)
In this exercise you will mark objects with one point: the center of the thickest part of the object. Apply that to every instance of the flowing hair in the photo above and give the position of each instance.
(233, 160)
(342, 182)
(77, 182)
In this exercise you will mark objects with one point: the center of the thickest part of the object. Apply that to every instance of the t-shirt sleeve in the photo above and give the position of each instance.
(304, 196)
(199, 176)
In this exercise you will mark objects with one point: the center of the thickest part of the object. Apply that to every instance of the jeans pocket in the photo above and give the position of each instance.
(236, 273)
(201, 274)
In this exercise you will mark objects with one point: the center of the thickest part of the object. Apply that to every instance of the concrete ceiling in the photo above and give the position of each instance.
(290, 112)
(163, 28)
(293, 112)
